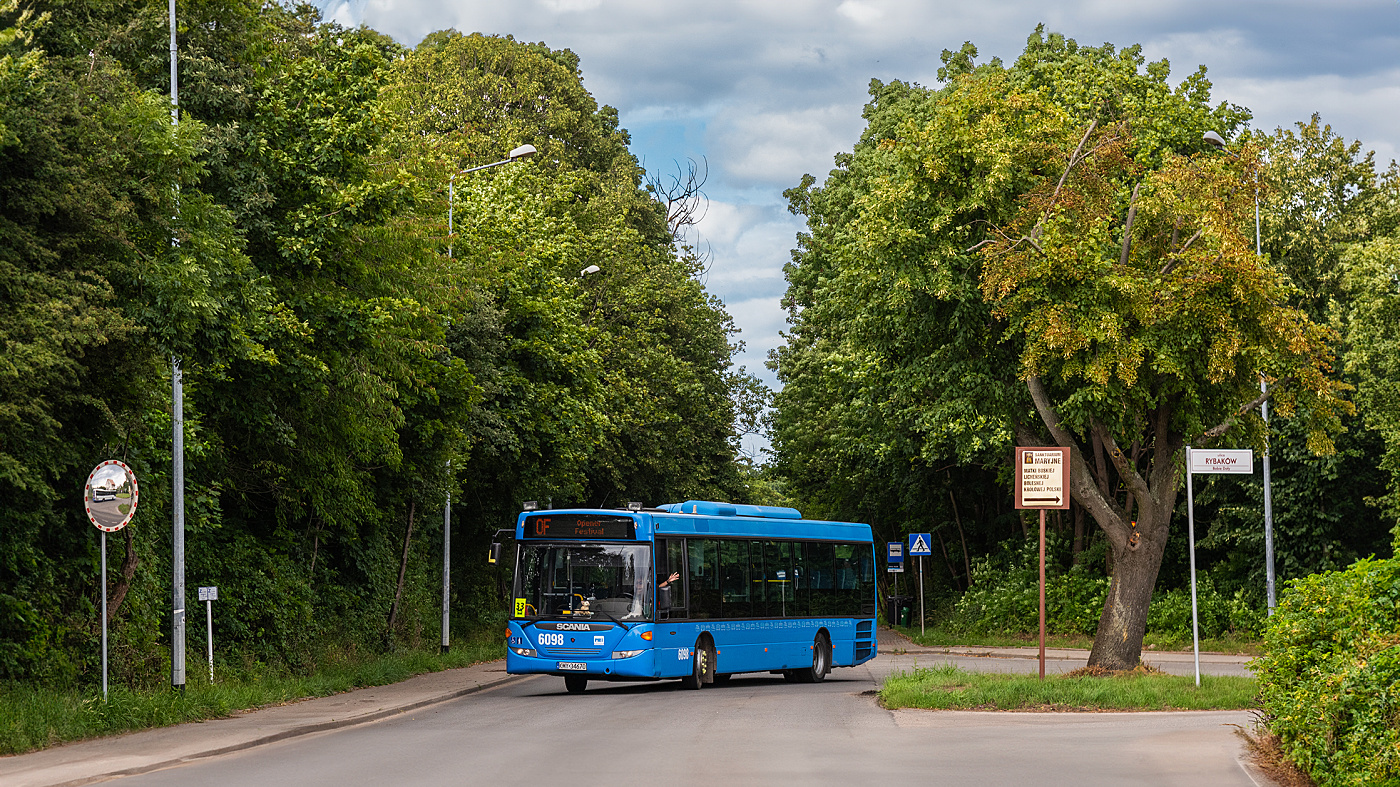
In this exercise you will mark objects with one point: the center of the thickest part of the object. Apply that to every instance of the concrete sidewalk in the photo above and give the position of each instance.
(100, 759)
(892, 642)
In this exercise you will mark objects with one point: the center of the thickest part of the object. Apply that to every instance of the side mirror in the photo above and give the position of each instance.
(494, 556)
(663, 598)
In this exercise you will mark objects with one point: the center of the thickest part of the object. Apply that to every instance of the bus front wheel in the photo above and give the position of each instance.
(575, 683)
(702, 665)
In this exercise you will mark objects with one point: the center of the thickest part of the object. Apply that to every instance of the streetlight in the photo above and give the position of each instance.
(522, 152)
(1218, 142)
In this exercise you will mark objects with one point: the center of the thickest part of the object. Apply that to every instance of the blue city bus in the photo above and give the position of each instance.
(757, 589)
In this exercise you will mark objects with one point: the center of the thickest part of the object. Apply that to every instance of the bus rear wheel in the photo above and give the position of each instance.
(821, 661)
(575, 683)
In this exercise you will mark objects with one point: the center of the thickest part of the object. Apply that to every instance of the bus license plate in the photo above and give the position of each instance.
(576, 666)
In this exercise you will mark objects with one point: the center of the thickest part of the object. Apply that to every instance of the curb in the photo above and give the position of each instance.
(295, 732)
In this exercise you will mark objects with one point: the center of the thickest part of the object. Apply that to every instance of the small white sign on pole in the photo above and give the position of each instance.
(1228, 460)
(1220, 460)
(209, 595)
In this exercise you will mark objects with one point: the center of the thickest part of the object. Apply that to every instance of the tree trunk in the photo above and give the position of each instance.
(967, 564)
(128, 572)
(1123, 622)
(952, 574)
(1078, 545)
(403, 567)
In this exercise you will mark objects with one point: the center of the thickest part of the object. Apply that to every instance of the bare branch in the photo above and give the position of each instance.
(1128, 226)
(682, 196)
(1031, 241)
(977, 246)
(1106, 511)
(1224, 426)
(1048, 414)
(1073, 159)
(1127, 470)
(1175, 257)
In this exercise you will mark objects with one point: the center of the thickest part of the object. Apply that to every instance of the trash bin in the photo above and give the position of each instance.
(899, 610)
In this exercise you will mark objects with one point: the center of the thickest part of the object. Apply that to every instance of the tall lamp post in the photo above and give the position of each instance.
(1218, 142)
(522, 152)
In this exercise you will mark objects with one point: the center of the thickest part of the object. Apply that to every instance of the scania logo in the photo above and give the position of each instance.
(574, 627)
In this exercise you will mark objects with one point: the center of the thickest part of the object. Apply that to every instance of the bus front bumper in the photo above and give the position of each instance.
(639, 667)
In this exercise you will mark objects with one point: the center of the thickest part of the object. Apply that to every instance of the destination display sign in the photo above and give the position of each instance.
(1226, 460)
(1042, 478)
(551, 525)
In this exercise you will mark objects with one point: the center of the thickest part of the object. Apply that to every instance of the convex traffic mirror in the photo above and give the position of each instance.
(110, 496)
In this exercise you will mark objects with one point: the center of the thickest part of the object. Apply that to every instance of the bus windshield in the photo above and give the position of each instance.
(587, 581)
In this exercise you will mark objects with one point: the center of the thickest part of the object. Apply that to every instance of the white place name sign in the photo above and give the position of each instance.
(1227, 460)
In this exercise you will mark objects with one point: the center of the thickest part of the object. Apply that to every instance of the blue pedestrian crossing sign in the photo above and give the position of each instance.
(919, 544)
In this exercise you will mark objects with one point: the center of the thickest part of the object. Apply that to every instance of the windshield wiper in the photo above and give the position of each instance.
(613, 619)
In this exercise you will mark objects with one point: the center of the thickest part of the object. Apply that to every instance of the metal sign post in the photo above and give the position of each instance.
(109, 499)
(177, 449)
(920, 544)
(209, 596)
(447, 563)
(1268, 500)
(1222, 461)
(1042, 482)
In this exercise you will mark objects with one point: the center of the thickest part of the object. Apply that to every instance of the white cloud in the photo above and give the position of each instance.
(777, 147)
(860, 13)
(1365, 107)
(570, 6)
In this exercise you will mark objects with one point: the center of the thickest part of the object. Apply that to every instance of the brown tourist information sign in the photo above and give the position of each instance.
(1042, 478)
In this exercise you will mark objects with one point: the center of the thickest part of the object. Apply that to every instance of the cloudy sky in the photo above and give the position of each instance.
(766, 90)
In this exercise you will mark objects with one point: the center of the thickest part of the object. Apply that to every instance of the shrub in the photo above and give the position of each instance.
(1004, 599)
(1005, 595)
(1330, 674)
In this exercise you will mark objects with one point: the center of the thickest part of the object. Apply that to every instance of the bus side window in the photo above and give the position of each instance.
(703, 560)
(672, 560)
(845, 579)
(865, 560)
(820, 559)
(801, 593)
(734, 578)
(758, 585)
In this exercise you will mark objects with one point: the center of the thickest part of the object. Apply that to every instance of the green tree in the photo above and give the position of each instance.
(1073, 274)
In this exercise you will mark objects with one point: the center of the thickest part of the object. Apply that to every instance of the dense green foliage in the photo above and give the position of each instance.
(1330, 677)
(1049, 252)
(347, 361)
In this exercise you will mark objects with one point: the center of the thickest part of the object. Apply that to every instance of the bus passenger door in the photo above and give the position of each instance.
(672, 642)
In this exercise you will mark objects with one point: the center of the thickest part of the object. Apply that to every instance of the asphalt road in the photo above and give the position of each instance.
(755, 730)
(110, 513)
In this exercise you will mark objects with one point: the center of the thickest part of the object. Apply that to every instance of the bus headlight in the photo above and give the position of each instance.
(523, 651)
(626, 654)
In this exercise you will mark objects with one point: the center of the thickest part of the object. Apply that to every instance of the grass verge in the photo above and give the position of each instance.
(34, 718)
(949, 687)
(940, 637)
